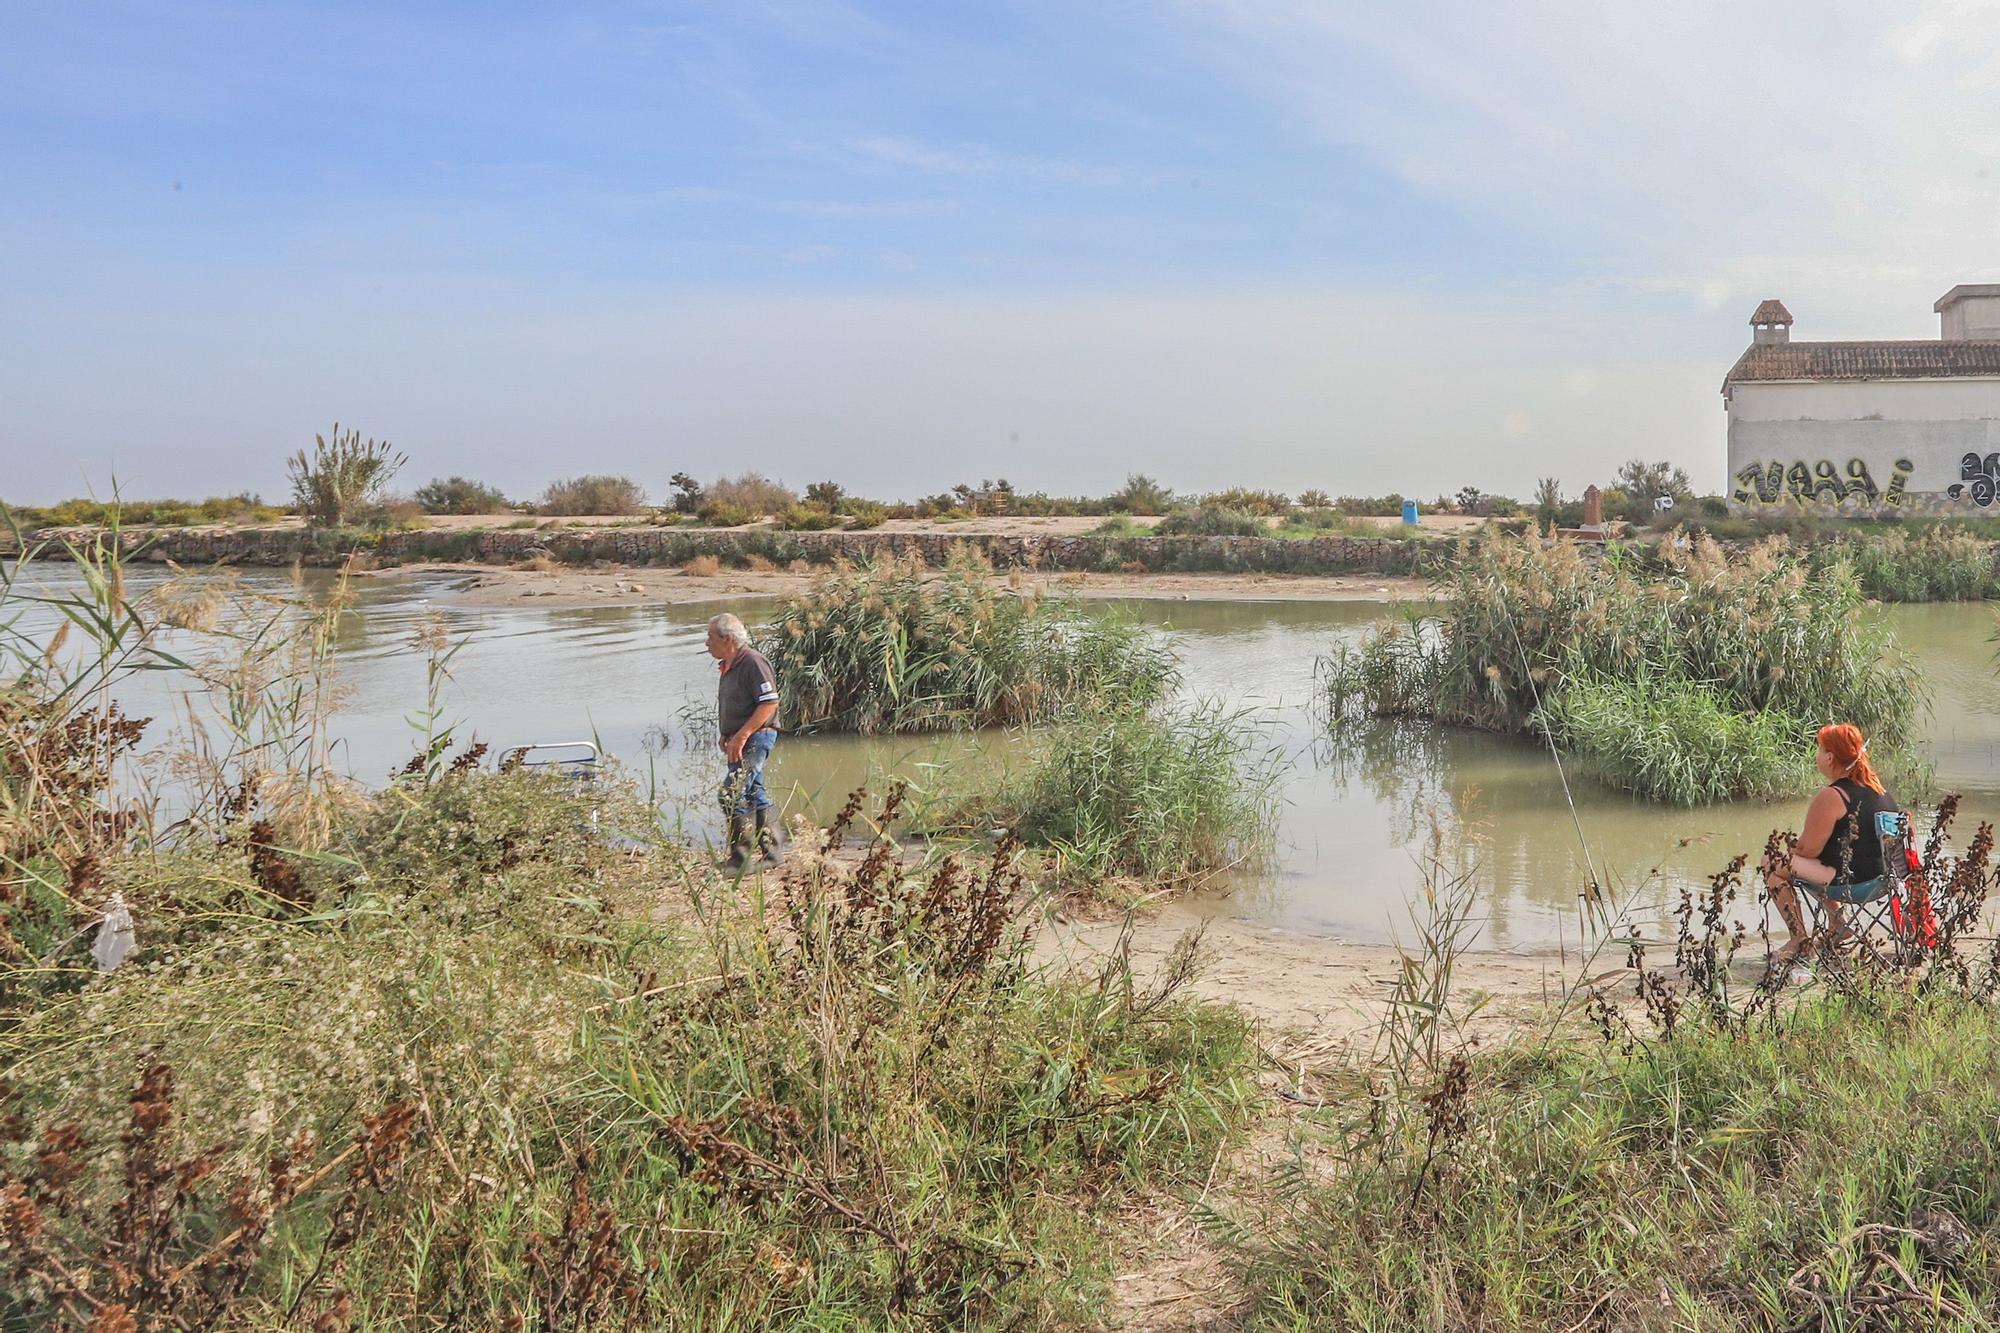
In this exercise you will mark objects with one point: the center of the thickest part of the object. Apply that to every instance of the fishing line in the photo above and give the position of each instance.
(1562, 775)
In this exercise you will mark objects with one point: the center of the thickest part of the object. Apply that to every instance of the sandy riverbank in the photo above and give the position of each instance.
(1322, 998)
(485, 586)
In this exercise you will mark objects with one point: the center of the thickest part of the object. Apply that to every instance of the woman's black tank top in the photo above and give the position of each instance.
(1862, 861)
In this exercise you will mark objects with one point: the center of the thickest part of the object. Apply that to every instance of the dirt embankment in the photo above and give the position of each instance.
(557, 587)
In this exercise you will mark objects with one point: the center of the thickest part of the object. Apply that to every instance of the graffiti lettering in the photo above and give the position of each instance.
(1859, 482)
(1806, 484)
(1978, 478)
(1896, 483)
(1768, 481)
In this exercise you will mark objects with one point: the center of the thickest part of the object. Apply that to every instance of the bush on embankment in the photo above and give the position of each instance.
(1608, 657)
(887, 645)
(1730, 1160)
(1161, 795)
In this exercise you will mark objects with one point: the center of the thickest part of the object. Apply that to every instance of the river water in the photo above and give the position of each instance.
(1358, 809)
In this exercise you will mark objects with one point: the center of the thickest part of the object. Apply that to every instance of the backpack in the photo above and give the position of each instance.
(1916, 921)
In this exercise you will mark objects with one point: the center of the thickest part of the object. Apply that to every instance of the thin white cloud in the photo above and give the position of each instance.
(853, 208)
(1841, 148)
(980, 160)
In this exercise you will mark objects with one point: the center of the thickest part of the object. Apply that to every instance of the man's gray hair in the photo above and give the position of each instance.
(729, 627)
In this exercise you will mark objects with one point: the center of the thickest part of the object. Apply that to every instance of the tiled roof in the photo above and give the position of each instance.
(1927, 359)
(1770, 312)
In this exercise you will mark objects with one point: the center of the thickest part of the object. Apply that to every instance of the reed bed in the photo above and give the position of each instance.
(1613, 656)
(1930, 564)
(890, 646)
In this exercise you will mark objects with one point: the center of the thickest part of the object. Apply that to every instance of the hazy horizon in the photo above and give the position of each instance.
(1389, 248)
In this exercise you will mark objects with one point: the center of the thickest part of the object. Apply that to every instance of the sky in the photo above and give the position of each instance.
(1355, 245)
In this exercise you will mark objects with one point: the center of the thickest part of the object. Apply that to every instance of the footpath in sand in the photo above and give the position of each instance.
(1314, 998)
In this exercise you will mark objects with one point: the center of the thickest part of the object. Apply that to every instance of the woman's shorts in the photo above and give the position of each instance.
(1867, 891)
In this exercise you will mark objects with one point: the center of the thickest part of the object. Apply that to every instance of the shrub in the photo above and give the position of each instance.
(1265, 504)
(1141, 495)
(459, 495)
(825, 494)
(719, 514)
(1639, 483)
(1158, 794)
(808, 518)
(1328, 522)
(688, 494)
(1370, 506)
(336, 483)
(702, 567)
(1315, 500)
(863, 514)
(752, 492)
(596, 494)
(1208, 521)
(887, 646)
(1121, 525)
(79, 512)
(1517, 623)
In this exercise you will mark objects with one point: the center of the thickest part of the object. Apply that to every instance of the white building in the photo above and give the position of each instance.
(1870, 427)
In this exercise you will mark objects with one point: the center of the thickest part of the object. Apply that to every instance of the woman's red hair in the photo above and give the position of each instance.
(1850, 753)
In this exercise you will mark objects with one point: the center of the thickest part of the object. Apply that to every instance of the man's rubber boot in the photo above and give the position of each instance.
(768, 841)
(738, 846)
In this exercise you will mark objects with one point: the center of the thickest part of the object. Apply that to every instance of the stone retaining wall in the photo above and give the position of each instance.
(676, 546)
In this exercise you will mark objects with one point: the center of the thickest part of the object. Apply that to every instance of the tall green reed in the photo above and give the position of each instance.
(887, 645)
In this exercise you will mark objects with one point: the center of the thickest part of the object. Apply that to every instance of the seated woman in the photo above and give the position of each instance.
(1838, 856)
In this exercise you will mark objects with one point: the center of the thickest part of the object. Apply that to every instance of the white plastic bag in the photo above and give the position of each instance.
(114, 935)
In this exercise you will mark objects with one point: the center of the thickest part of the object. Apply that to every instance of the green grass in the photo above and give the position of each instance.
(1679, 1186)
(887, 645)
(1160, 795)
(1673, 741)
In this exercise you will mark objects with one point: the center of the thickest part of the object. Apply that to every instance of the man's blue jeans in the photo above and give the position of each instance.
(743, 790)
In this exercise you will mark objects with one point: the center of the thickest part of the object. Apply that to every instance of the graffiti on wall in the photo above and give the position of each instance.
(1803, 483)
(1978, 479)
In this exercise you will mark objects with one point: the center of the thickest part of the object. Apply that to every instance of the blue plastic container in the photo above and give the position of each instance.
(1410, 512)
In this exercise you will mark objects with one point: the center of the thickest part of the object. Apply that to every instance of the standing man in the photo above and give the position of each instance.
(746, 714)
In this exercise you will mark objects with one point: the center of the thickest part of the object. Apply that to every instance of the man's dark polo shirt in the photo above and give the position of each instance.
(747, 683)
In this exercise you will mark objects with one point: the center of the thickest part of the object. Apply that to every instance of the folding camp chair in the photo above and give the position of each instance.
(1897, 925)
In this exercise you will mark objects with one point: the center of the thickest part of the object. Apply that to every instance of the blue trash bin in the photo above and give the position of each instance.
(1410, 512)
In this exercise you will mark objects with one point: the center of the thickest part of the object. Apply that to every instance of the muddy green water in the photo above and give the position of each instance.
(1358, 809)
